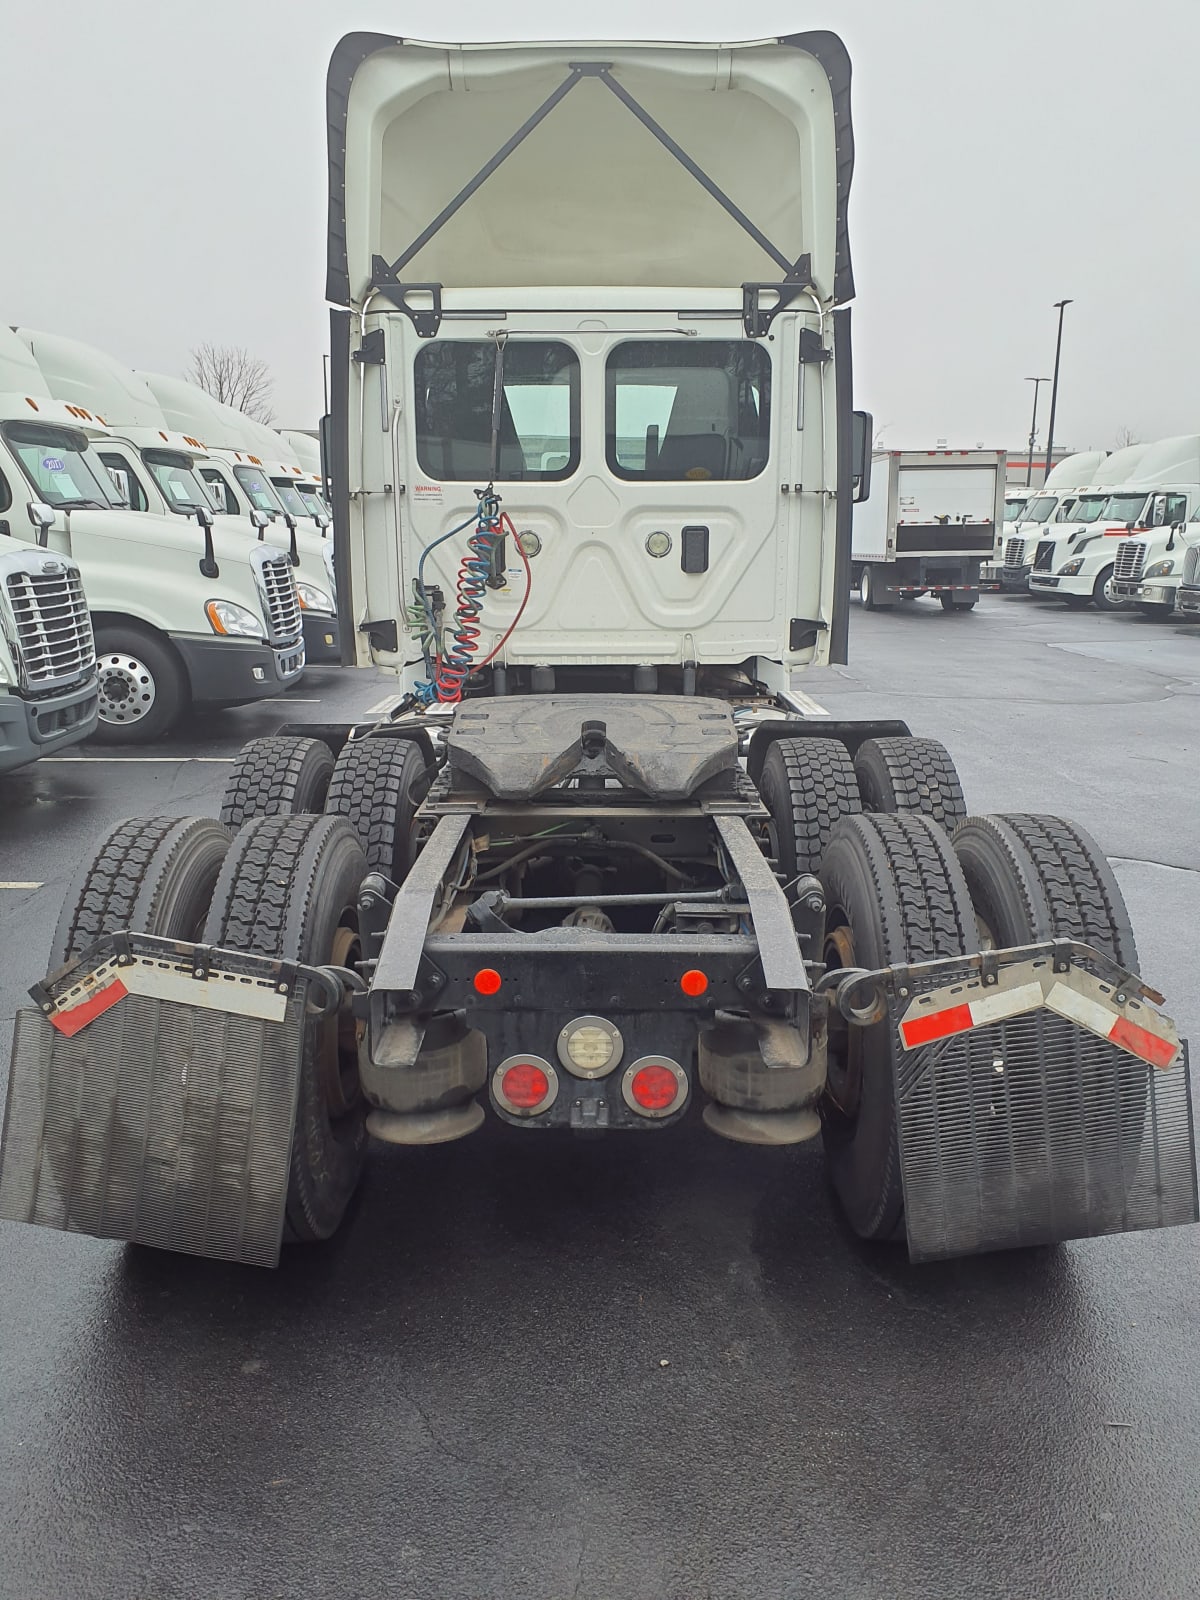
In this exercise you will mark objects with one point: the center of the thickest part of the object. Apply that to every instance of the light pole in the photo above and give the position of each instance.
(1037, 384)
(1060, 307)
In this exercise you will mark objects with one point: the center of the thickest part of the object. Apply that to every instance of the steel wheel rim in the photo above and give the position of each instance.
(843, 1083)
(127, 689)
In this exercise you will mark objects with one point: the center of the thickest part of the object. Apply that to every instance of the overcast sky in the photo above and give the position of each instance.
(163, 182)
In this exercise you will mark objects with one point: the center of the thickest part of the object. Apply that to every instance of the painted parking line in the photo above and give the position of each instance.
(164, 761)
(15, 885)
(807, 704)
(389, 703)
(285, 700)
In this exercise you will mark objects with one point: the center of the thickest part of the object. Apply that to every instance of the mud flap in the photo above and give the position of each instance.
(1034, 1128)
(137, 1115)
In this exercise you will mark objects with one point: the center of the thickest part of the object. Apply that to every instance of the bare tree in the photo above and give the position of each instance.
(1126, 437)
(232, 375)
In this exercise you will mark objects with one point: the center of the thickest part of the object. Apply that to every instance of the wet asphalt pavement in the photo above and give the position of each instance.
(647, 1366)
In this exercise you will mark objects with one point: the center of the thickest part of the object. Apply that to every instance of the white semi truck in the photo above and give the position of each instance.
(158, 467)
(184, 612)
(928, 527)
(1149, 564)
(1053, 503)
(240, 485)
(1092, 557)
(48, 684)
(593, 460)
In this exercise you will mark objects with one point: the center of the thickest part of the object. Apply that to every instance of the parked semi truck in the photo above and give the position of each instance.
(184, 612)
(1091, 557)
(928, 527)
(241, 487)
(158, 468)
(593, 459)
(1053, 503)
(48, 685)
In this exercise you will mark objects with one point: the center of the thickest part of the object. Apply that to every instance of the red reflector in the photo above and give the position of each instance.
(69, 1023)
(693, 983)
(487, 980)
(920, 1030)
(654, 1088)
(525, 1085)
(1158, 1052)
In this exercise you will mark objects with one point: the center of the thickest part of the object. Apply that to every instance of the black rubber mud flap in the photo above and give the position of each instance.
(1032, 1131)
(162, 1123)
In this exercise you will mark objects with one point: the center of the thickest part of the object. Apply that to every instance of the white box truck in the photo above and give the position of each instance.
(928, 527)
(590, 321)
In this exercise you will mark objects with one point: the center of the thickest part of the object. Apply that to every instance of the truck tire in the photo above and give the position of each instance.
(150, 875)
(908, 774)
(1076, 894)
(868, 592)
(276, 777)
(951, 602)
(1033, 878)
(377, 785)
(289, 888)
(1102, 597)
(143, 685)
(895, 892)
(808, 786)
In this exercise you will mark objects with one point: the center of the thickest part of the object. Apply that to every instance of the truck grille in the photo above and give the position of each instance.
(52, 630)
(1131, 556)
(1044, 559)
(283, 603)
(1191, 565)
(1014, 553)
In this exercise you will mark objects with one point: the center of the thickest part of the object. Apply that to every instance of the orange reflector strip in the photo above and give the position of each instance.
(1140, 1042)
(487, 980)
(940, 1025)
(69, 1023)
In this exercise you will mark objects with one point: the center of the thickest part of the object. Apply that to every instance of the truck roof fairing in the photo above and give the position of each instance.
(591, 194)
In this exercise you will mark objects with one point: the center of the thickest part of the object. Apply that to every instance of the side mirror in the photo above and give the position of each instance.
(42, 517)
(293, 549)
(260, 520)
(322, 519)
(864, 429)
(208, 565)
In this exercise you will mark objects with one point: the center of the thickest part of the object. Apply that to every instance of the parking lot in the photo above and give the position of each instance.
(636, 1367)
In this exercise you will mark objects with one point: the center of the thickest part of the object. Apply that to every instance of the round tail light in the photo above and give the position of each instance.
(654, 1086)
(525, 1085)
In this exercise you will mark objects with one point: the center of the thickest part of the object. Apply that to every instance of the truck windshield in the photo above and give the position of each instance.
(60, 469)
(1088, 507)
(1014, 509)
(258, 486)
(1041, 509)
(697, 414)
(311, 496)
(1125, 507)
(290, 495)
(181, 488)
(539, 413)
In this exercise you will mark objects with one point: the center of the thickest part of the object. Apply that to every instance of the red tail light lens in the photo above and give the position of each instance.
(654, 1086)
(525, 1085)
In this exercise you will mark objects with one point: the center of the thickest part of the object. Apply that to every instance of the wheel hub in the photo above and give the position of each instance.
(340, 1035)
(126, 689)
(844, 1077)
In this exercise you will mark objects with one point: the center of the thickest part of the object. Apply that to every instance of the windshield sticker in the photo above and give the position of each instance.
(53, 464)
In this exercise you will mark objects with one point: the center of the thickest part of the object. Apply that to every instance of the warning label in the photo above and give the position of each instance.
(429, 494)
